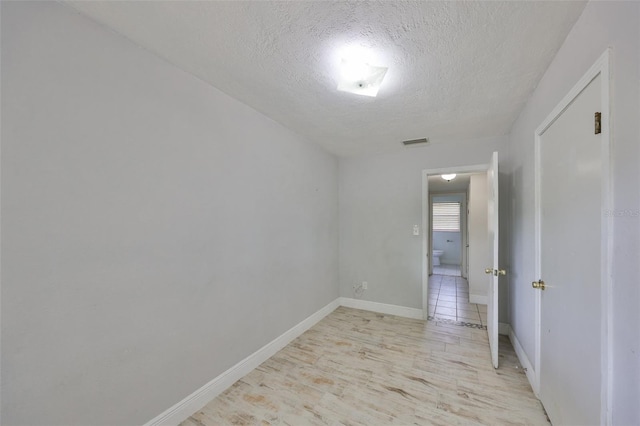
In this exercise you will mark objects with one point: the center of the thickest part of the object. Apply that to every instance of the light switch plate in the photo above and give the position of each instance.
(416, 230)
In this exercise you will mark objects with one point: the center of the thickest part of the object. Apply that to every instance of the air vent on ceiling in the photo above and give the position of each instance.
(415, 141)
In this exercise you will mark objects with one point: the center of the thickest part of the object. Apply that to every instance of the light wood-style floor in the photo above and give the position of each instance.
(362, 368)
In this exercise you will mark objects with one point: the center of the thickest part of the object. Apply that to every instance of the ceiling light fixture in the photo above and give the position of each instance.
(360, 78)
(449, 177)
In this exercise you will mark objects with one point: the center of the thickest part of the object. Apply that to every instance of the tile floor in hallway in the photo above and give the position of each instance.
(363, 368)
(449, 300)
(444, 269)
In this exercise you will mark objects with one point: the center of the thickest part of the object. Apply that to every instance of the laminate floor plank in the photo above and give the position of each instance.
(363, 368)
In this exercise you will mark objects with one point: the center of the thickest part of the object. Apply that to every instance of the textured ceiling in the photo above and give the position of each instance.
(457, 70)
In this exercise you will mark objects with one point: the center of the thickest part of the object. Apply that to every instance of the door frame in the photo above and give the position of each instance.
(601, 67)
(426, 259)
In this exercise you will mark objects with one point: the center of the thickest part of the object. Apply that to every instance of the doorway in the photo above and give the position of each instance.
(449, 298)
(449, 231)
(490, 266)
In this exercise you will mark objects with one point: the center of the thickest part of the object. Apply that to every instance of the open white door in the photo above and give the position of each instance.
(493, 270)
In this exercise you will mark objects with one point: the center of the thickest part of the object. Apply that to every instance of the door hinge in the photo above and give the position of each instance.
(598, 123)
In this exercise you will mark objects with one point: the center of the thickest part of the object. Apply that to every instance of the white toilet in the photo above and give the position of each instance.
(436, 256)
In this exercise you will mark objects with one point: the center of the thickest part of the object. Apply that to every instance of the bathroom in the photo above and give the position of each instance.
(447, 238)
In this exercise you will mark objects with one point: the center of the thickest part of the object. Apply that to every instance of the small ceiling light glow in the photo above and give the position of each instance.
(360, 78)
(449, 178)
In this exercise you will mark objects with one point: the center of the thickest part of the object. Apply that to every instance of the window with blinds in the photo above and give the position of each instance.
(446, 217)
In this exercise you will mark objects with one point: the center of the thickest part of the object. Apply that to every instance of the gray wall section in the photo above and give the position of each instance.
(380, 201)
(602, 25)
(154, 231)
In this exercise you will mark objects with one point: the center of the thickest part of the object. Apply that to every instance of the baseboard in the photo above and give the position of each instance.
(198, 399)
(504, 328)
(480, 300)
(383, 308)
(524, 360)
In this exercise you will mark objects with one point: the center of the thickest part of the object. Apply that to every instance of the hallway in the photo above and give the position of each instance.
(449, 301)
(364, 368)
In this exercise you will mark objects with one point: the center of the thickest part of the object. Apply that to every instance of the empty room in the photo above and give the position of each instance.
(319, 213)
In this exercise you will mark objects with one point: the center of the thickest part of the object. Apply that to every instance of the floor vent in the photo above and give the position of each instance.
(415, 141)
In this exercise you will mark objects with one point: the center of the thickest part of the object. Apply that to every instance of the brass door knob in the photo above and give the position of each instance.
(488, 271)
(538, 284)
(501, 272)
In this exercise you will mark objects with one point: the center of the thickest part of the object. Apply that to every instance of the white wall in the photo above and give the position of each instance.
(601, 25)
(479, 250)
(154, 231)
(380, 201)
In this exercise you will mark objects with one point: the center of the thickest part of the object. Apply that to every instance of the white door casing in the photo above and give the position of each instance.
(573, 246)
(493, 222)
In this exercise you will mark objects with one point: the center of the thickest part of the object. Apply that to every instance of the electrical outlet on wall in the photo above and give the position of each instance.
(364, 285)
